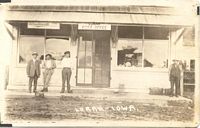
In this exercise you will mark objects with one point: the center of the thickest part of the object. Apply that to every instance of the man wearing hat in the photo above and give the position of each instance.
(174, 77)
(49, 65)
(33, 71)
(66, 72)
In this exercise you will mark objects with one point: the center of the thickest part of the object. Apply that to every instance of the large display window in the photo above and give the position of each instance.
(54, 42)
(142, 47)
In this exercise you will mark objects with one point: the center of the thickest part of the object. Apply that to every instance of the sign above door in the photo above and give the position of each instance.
(43, 25)
(94, 26)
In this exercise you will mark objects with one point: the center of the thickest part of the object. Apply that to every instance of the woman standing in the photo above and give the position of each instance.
(49, 65)
(66, 72)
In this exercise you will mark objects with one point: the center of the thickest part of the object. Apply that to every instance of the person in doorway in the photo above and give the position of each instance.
(33, 71)
(174, 77)
(49, 65)
(66, 72)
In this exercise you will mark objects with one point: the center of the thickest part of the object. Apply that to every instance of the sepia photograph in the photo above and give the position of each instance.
(98, 63)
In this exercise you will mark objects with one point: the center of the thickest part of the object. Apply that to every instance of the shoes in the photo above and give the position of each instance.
(44, 90)
(62, 91)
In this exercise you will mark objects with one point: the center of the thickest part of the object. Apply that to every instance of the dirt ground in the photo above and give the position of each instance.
(74, 107)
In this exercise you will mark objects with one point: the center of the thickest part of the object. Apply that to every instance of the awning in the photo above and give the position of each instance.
(112, 15)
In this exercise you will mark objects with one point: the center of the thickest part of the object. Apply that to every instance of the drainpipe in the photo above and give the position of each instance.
(197, 70)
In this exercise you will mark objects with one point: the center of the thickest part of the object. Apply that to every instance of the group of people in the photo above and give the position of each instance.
(175, 76)
(34, 70)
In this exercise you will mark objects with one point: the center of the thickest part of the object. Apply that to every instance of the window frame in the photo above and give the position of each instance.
(18, 47)
(59, 37)
(22, 65)
(117, 48)
(142, 68)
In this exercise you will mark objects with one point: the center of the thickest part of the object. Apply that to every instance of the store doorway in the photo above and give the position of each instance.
(93, 61)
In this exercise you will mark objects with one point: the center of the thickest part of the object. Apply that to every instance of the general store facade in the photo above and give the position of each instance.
(111, 45)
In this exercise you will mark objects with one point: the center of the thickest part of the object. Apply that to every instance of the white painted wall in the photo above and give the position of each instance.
(181, 52)
(5, 49)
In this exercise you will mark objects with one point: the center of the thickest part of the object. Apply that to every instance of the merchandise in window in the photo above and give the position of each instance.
(143, 46)
(129, 53)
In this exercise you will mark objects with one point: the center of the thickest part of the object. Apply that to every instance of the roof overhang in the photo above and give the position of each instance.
(138, 15)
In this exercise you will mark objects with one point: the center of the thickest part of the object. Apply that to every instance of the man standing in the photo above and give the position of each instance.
(49, 65)
(66, 72)
(174, 77)
(33, 71)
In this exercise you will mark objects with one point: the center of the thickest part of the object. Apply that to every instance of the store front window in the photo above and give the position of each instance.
(142, 47)
(156, 53)
(130, 46)
(54, 42)
(130, 53)
(56, 47)
(28, 45)
(30, 40)
(156, 47)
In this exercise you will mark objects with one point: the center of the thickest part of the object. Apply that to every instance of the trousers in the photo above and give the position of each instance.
(47, 77)
(175, 82)
(33, 80)
(66, 75)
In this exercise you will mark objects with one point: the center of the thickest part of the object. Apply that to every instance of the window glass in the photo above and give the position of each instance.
(129, 53)
(63, 31)
(28, 45)
(56, 47)
(81, 54)
(88, 59)
(130, 32)
(85, 54)
(132, 50)
(156, 53)
(156, 33)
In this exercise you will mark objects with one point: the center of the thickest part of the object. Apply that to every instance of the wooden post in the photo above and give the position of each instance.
(181, 82)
